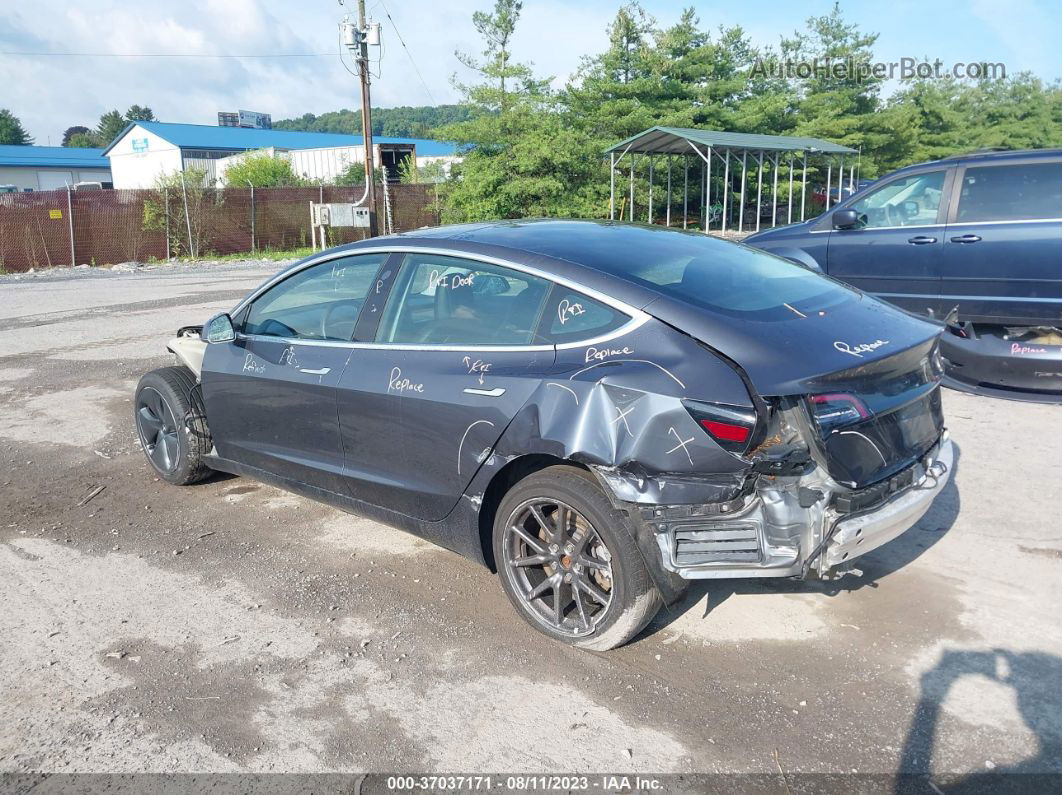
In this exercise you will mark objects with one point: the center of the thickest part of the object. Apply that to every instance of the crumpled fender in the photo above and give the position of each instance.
(189, 352)
(617, 409)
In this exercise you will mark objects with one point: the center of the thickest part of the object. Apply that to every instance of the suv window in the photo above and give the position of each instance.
(317, 303)
(1011, 193)
(571, 316)
(440, 300)
(909, 201)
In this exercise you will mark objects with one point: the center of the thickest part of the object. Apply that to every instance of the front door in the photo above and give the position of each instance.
(271, 392)
(896, 252)
(1002, 261)
(454, 360)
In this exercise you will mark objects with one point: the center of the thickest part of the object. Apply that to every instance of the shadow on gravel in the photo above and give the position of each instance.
(876, 565)
(1034, 677)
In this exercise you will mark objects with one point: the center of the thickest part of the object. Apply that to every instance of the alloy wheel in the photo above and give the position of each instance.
(559, 564)
(158, 430)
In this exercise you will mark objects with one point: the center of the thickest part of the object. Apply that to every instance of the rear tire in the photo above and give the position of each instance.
(172, 426)
(569, 562)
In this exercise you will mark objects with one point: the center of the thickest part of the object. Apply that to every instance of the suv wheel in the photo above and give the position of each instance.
(569, 563)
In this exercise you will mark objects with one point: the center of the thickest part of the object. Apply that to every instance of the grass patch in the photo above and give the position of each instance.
(265, 254)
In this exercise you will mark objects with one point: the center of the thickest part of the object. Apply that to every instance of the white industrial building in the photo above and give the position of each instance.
(144, 150)
(33, 168)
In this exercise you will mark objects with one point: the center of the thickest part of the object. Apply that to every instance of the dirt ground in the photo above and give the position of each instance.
(233, 627)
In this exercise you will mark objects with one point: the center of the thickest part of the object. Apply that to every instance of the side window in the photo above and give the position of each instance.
(909, 201)
(451, 301)
(1011, 193)
(318, 303)
(571, 317)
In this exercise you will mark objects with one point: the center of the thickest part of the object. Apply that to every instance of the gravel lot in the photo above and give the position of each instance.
(233, 627)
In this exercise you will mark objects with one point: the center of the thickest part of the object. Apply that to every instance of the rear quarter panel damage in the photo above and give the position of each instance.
(617, 409)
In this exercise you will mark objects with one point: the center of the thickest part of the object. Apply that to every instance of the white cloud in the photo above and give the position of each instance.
(50, 94)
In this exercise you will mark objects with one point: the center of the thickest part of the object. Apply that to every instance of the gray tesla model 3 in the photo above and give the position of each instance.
(599, 412)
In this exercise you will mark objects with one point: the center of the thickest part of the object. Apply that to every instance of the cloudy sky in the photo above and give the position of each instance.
(51, 93)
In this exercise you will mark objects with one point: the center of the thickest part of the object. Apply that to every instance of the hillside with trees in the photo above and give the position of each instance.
(404, 122)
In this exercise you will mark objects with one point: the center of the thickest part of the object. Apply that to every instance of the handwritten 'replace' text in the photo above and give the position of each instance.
(397, 383)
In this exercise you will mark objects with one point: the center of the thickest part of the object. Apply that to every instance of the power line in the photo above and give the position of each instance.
(410, 54)
(167, 55)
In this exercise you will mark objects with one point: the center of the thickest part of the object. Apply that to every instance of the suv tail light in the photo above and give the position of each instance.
(836, 409)
(732, 427)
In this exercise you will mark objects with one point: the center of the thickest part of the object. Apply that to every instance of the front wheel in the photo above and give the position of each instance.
(171, 425)
(569, 563)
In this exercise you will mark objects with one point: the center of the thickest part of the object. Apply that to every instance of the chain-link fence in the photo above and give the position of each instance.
(61, 228)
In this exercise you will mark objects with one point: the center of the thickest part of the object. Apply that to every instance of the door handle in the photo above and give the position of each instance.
(322, 371)
(496, 392)
(922, 240)
(966, 239)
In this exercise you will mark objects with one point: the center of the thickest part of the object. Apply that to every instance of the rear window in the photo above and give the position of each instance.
(734, 280)
(1011, 193)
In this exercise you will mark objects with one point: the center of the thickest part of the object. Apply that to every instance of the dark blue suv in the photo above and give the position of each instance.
(975, 239)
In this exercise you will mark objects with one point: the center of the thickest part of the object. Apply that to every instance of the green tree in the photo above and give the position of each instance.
(84, 140)
(182, 204)
(138, 113)
(262, 170)
(354, 174)
(70, 132)
(521, 158)
(110, 127)
(11, 130)
(409, 173)
(502, 77)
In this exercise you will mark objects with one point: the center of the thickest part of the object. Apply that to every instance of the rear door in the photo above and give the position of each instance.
(271, 392)
(1002, 261)
(455, 358)
(896, 253)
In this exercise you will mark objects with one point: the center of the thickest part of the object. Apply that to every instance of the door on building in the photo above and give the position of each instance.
(54, 180)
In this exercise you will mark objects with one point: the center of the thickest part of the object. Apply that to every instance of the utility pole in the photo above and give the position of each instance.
(366, 115)
(357, 39)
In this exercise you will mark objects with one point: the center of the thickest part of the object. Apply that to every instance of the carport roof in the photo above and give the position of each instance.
(677, 140)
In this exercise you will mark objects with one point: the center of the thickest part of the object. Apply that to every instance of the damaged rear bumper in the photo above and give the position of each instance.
(788, 529)
(993, 365)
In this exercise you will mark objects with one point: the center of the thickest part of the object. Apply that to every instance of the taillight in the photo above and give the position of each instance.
(732, 427)
(837, 408)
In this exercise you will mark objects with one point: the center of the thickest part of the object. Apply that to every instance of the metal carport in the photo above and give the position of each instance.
(726, 148)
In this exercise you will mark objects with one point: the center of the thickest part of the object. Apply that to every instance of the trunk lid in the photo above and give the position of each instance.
(877, 366)
(806, 346)
(876, 420)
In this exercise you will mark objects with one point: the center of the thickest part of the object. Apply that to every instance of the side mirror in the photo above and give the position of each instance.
(219, 329)
(847, 219)
(910, 208)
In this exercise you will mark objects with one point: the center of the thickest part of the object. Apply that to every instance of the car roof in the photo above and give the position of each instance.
(597, 254)
(985, 155)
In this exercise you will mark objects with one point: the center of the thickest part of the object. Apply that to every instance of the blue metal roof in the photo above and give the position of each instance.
(203, 136)
(53, 156)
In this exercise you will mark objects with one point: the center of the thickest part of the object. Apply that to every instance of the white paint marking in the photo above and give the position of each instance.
(620, 361)
(622, 415)
(681, 443)
(568, 389)
(464, 436)
(868, 441)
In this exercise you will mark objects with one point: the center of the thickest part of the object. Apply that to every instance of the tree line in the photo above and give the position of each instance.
(532, 150)
(106, 130)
